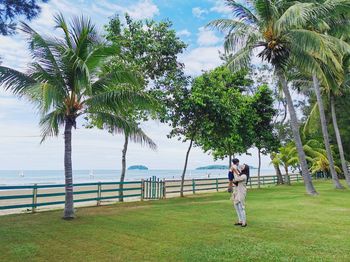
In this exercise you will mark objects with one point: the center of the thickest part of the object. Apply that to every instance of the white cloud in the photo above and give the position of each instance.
(198, 12)
(183, 32)
(206, 37)
(143, 9)
(220, 7)
(201, 59)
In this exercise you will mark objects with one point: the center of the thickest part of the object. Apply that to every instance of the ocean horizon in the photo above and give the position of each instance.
(25, 177)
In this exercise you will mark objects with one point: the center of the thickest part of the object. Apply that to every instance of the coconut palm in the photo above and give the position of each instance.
(316, 156)
(283, 158)
(276, 30)
(335, 86)
(64, 81)
(137, 136)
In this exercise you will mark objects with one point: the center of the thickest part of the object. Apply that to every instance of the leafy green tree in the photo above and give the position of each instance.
(64, 80)
(228, 131)
(150, 49)
(264, 137)
(279, 29)
(11, 10)
(185, 117)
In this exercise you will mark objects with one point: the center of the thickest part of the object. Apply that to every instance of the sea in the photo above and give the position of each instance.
(29, 177)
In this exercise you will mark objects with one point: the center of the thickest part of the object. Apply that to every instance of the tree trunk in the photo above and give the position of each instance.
(184, 171)
(287, 175)
(295, 128)
(259, 166)
(68, 172)
(278, 172)
(122, 175)
(339, 142)
(229, 161)
(325, 133)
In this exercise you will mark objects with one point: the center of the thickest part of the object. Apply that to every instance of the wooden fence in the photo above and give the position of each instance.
(31, 197)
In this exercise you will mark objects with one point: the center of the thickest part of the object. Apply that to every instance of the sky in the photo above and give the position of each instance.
(97, 149)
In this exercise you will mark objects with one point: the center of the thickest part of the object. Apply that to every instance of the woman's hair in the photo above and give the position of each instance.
(245, 170)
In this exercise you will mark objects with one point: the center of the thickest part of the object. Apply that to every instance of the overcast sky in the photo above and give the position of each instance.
(96, 149)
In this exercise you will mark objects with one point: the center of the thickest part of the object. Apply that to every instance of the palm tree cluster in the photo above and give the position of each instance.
(67, 80)
(309, 38)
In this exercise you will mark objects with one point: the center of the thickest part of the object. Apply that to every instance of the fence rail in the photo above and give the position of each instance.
(33, 196)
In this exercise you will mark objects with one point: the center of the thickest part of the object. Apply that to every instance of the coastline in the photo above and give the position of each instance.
(40, 177)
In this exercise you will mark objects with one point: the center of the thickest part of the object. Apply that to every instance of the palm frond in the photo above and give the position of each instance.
(119, 124)
(15, 81)
(266, 10)
(243, 13)
(44, 53)
(51, 122)
(117, 99)
(296, 16)
(312, 121)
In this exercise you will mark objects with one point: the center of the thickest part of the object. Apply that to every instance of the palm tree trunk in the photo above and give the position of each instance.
(259, 166)
(287, 175)
(325, 133)
(295, 128)
(278, 172)
(68, 173)
(185, 167)
(122, 175)
(339, 142)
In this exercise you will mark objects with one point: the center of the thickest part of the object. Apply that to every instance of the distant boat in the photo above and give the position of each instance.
(91, 174)
(21, 174)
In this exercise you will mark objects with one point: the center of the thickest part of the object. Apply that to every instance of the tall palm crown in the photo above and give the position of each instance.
(66, 80)
(278, 32)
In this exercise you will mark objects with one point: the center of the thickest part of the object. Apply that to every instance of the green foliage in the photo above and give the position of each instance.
(316, 156)
(262, 104)
(211, 112)
(65, 78)
(149, 47)
(11, 11)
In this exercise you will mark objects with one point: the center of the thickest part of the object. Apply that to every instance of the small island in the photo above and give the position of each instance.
(138, 167)
(212, 167)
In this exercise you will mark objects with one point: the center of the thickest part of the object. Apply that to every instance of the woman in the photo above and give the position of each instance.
(240, 192)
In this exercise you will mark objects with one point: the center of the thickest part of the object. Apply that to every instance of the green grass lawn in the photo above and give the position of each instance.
(284, 224)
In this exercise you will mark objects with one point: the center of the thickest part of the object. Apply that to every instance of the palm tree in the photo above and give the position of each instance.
(283, 158)
(276, 30)
(335, 86)
(137, 135)
(64, 81)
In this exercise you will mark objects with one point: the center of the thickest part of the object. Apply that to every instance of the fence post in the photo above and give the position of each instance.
(263, 182)
(35, 198)
(99, 193)
(217, 185)
(154, 189)
(142, 189)
(164, 188)
(150, 188)
(158, 189)
(193, 186)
